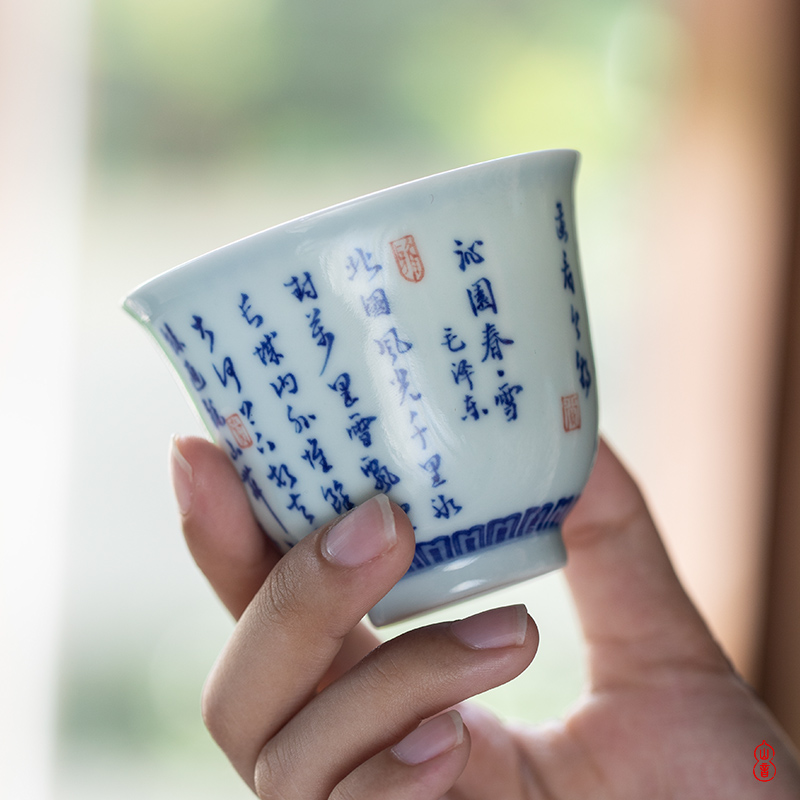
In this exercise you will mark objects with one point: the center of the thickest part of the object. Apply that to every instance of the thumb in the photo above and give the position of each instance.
(636, 617)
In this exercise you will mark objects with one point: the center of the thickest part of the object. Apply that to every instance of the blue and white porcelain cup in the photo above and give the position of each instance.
(430, 342)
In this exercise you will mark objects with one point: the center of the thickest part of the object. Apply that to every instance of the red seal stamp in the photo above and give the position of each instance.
(571, 412)
(239, 431)
(408, 259)
(764, 769)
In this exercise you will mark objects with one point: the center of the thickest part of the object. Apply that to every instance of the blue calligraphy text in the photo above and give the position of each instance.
(403, 386)
(361, 262)
(561, 228)
(244, 307)
(246, 410)
(566, 269)
(234, 451)
(286, 383)
(172, 340)
(481, 297)
(258, 494)
(506, 399)
(433, 465)
(228, 371)
(302, 290)
(492, 341)
(463, 371)
(444, 508)
(295, 505)
(337, 497)
(342, 385)
(384, 479)
(468, 255)
(316, 457)
(198, 381)
(419, 433)
(582, 365)
(197, 325)
(300, 422)
(281, 476)
(391, 343)
(266, 350)
(376, 304)
(360, 429)
(216, 418)
(576, 318)
(322, 337)
(449, 341)
(471, 408)
(259, 446)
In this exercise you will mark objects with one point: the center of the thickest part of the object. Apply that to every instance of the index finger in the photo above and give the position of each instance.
(288, 636)
(227, 543)
(220, 530)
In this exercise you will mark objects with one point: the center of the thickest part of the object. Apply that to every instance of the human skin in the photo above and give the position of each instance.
(307, 703)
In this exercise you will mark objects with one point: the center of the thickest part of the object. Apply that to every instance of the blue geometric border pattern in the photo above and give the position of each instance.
(519, 525)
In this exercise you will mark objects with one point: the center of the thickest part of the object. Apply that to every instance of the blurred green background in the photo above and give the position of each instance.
(209, 121)
(194, 83)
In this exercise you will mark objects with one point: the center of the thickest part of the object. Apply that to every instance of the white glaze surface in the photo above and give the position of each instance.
(429, 341)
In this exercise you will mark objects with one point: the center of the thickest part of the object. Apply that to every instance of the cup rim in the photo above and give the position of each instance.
(132, 304)
(414, 182)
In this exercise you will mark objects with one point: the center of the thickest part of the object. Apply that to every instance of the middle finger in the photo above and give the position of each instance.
(404, 681)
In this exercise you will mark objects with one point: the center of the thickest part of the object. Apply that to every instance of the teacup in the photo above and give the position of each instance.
(428, 341)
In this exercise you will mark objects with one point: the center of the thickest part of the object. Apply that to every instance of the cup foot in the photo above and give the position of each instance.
(454, 581)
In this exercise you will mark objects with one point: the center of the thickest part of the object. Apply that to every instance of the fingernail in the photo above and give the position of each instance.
(364, 534)
(431, 739)
(182, 478)
(500, 627)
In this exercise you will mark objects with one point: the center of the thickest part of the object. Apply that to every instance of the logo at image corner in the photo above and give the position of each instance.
(408, 259)
(764, 769)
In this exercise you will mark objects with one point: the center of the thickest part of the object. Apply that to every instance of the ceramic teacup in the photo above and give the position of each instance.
(430, 342)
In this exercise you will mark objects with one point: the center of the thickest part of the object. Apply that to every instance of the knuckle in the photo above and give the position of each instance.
(384, 674)
(279, 600)
(287, 599)
(274, 777)
(212, 712)
(344, 791)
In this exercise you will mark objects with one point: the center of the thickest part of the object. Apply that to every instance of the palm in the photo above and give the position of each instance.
(626, 743)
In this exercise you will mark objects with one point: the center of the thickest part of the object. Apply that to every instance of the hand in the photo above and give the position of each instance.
(306, 705)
